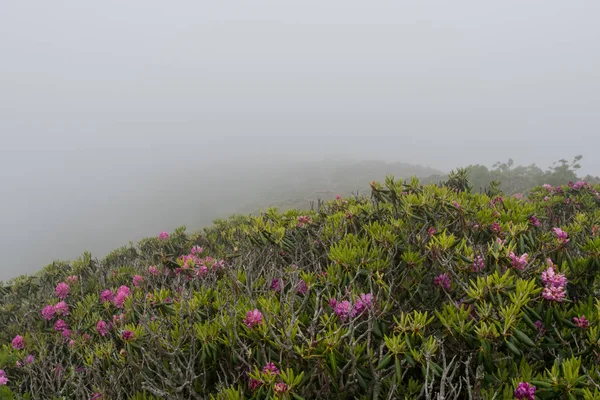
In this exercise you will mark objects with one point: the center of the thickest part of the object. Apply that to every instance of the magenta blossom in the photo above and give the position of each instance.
(107, 296)
(29, 359)
(60, 325)
(547, 186)
(18, 342)
(153, 270)
(67, 333)
(254, 384)
(518, 262)
(97, 396)
(48, 312)
(276, 285)
(562, 236)
(478, 264)
(102, 328)
(253, 318)
(127, 335)
(61, 308)
(534, 221)
(122, 293)
(137, 280)
(301, 287)
(197, 250)
(442, 280)
(431, 231)
(164, 235)
(364, 303)
(62, 290)
(581, 322)
(496, 228)
(271, 369)
(343, 310)
(541, 328)
(525, 390)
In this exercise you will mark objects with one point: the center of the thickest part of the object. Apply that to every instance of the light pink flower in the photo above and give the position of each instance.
(343, 310)
(518, 262)
(280, 388)
(107, 296)
(72, 279)
(561, 235)
(581, 322)
(3, 378)
(253, 318)
(197, 250)
(153, 270)
(164, 235)
(270, 368)
(137, 280)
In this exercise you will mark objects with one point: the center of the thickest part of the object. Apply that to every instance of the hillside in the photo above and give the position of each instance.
(416, 292)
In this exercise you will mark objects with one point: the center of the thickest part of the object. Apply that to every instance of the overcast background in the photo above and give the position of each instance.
(103, 103)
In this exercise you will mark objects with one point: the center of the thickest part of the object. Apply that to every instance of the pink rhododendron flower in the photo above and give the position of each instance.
(102, 328)
(67, 333)
(164, 235)
(534, 221)
(443, 281)
(303, 220)
(62, 290)
(581, 322)
(561, 235)
(29, 359)
(153, 270)
(431, 231)
(478, 264)
(525, 390)
(122, 293)
(3, 378)
(48, 312)
(361, 305)
(254, 384)
(301, 288)
(107, 296)
(197, 250)
(518, 262)
(270, 368)
(253, 318)
(61, 308)
(280, 388)
(539, 325)
(496, 228)
(127, 335)
(137, 280)
(332, 302)
(18, 343)
(518, 196)
(551, 278)
(72, 279)
(276, 285)
(343, 309)
(547, 186)
(60, 325)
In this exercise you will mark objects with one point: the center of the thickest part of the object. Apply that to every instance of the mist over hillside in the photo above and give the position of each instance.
(50, 214)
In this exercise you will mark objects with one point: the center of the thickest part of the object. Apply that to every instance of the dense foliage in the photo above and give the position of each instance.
(418, 292)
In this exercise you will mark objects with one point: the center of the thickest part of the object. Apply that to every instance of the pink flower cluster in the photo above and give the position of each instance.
(164, 235)
(443, 281)
(345, 309)
(102, 328)
(562, 236)
(270, 369)
(137, 280)
(301, 288)
(554, 283)
(518, 262)
(303, 220)
(62, 290)
(253, 318)
(276, 285)
(533, 220)
(3, 378)
(153, 270)
(525, 390)
(127, 335)
(122, 293)
(496, 228)
(280, 388)
(71, 280)
(581, 322)
(50, 311)
(18, 343)
(478, 264)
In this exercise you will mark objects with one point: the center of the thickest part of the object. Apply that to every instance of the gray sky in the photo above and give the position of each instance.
(97, 97)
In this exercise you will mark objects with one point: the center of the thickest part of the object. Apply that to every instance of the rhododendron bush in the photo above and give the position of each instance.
(417, 292)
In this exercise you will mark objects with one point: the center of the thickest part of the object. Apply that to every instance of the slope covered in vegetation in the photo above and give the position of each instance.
(416, 292)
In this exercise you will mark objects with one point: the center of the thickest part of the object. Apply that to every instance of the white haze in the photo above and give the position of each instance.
(119, 119)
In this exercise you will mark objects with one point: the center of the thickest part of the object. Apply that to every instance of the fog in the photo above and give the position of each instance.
(119, 119)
